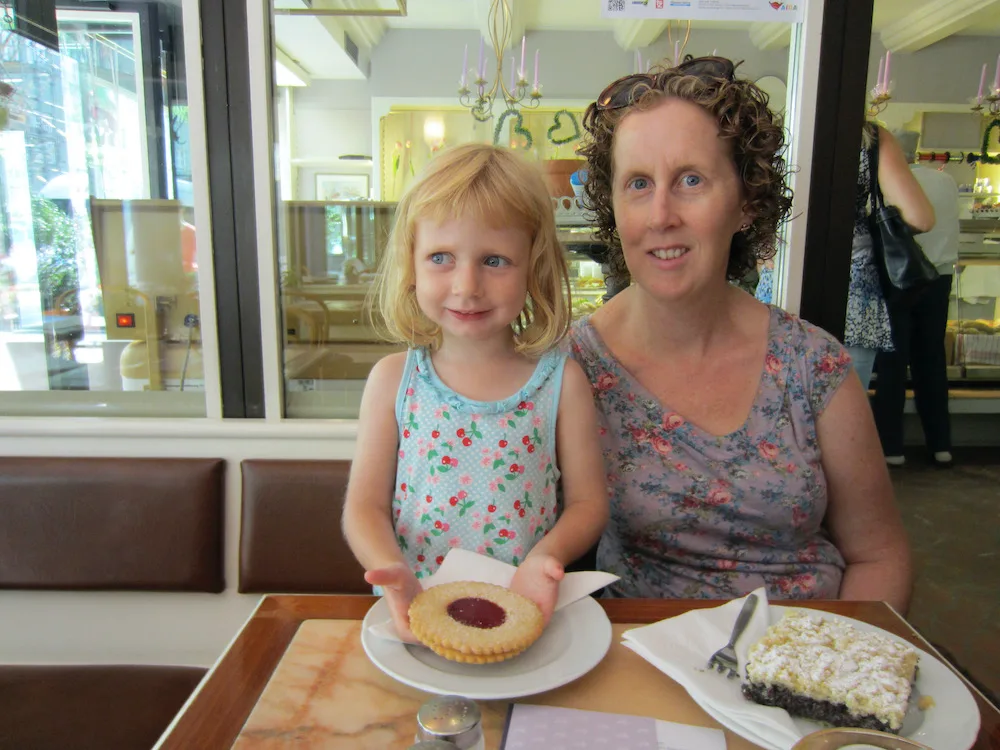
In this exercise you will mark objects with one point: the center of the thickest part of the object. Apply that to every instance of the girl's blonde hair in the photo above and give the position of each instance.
(501, 189)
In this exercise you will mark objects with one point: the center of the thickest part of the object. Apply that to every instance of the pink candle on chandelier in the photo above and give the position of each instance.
(535, 86)
(520, 70)
(881, 71)
(465, 64)
(982, 85)
(482, 60)
(677, 54)
(996, 79)
(885, 81)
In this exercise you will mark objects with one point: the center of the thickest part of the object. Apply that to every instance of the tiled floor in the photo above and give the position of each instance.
(953, 517)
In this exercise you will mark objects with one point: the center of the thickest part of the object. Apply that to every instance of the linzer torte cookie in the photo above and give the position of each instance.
(473, 622)
(830, 671)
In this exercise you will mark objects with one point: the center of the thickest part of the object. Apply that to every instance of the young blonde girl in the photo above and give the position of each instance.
(463, 438)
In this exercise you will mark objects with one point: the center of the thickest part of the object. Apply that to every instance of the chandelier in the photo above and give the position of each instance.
(988, 105)
(881, 94)
(480, 97)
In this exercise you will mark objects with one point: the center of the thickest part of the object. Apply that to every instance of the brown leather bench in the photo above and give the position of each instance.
(104, 524)
(290, 538)
(90, 707)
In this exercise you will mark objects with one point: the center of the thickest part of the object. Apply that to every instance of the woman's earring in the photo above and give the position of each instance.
(744, 226)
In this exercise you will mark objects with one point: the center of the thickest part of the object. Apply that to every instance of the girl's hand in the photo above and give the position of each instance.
(538, 579)
(399, 586)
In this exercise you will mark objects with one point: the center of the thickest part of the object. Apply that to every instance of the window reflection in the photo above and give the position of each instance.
(332, 250)
(372, 101)
(98, 287)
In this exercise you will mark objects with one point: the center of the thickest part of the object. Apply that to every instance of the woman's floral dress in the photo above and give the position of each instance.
(867, 324)
(694, 515)
(471, 474)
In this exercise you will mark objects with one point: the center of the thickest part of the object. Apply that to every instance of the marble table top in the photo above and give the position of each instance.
(298, 677)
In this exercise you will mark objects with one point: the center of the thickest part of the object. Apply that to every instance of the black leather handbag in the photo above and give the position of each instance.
(904, 271)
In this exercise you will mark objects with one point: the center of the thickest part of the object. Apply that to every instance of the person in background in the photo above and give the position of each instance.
(739, 446)
(352, 270)
(918, 328)
(765, 282)
(868, 330)
(463, 439)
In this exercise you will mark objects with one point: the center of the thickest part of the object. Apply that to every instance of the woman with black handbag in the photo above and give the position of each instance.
(868, 329)
(918, 327)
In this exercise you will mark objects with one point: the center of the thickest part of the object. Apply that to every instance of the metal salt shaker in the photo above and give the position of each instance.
(453, 719)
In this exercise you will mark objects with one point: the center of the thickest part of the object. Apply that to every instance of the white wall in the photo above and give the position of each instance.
(330, 118)
(574, 64)
(154, 628)
(946, 72)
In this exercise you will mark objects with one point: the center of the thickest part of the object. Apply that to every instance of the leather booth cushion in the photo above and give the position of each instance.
(290, 539)
(90, 707)
(111, 523)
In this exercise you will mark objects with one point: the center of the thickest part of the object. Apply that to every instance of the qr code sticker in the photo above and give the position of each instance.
(616, 6)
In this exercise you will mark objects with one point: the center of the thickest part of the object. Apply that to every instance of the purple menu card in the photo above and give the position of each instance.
(550, 728)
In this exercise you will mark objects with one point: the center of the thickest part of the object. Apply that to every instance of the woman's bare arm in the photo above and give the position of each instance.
(899, 187)
(861, 513)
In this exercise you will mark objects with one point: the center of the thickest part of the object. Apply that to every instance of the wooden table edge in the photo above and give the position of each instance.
(215, 714)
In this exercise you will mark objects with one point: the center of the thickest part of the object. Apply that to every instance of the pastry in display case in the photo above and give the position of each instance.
(586, 275)
(587, 294)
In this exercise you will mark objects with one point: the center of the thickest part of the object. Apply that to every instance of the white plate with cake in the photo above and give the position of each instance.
(940, 711)
(574, 642)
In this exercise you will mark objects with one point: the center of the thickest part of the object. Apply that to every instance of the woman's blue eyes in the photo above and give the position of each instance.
(438, 258)
(688, 180)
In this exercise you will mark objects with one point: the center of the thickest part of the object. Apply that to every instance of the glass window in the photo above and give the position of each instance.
(363, 103)
(99, 308)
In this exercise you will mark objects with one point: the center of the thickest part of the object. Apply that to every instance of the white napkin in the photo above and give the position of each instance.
(462, 565)
(681, 647)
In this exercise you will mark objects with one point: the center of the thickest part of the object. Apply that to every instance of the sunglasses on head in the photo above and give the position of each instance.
(622, 93)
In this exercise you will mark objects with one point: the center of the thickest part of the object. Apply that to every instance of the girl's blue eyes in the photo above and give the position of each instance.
(492, 261)
(691, 180)
(640, 183)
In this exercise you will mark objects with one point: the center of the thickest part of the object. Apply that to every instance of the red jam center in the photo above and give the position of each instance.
(477, 613)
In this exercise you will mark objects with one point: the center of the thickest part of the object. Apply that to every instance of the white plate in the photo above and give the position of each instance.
(576, 639)
(952, 723)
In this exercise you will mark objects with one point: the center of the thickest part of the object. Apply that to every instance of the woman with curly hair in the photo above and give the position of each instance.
(740, 450)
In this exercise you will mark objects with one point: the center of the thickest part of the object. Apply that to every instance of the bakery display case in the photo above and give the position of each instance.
(587, 289)
(972, 339)
(584, 257)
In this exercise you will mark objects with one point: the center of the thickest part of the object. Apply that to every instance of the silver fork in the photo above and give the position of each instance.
(724, 660)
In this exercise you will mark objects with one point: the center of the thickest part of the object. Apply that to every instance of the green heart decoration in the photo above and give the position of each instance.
(519, 128)
(557, 124)
(985, 156)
